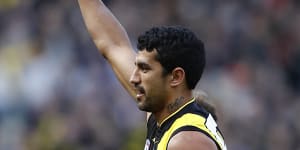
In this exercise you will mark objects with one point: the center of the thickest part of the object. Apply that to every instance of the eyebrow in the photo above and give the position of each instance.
(142, 64)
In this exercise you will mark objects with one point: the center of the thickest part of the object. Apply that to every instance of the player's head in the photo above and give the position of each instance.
(168, 58)
(176, 47)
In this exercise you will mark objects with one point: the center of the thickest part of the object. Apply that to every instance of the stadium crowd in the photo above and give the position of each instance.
(57, 92)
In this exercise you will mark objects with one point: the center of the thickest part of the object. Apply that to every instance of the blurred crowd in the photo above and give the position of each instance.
(58, 93)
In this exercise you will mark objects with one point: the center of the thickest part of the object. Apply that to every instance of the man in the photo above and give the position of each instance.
(161, 76)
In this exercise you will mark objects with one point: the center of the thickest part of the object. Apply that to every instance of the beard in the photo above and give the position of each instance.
(151, 104)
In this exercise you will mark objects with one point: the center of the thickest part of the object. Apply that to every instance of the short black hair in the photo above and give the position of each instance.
(176, 47)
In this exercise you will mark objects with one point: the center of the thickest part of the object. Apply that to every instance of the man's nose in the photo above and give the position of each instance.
(134, 78)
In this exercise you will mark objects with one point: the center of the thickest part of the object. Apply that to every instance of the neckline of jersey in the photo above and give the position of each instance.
(192, 100)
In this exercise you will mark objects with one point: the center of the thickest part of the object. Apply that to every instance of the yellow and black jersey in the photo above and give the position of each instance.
(190, 117)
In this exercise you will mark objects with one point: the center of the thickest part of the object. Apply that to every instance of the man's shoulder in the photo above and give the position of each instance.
(201, 129)
(191, 140)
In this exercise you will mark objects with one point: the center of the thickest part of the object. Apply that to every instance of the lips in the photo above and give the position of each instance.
(139, 96)
(139, 92)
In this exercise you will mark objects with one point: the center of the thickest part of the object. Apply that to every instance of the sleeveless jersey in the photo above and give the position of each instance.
(190, 117)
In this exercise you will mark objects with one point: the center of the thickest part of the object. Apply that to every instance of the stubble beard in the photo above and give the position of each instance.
(150, 105)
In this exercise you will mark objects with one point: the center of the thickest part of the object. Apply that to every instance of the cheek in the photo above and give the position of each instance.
(155, 86)
(153, 82)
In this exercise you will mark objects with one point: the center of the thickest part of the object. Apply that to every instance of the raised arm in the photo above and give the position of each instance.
(110, 38)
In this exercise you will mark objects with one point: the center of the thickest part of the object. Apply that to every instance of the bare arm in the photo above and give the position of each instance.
(110, 38)
(191, 140)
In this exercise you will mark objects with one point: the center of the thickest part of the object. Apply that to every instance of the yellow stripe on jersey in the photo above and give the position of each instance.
(207, 125)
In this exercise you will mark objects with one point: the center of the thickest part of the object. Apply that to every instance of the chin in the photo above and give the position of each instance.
(142, 107)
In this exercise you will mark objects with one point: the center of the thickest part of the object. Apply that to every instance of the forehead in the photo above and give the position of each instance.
(145, 56)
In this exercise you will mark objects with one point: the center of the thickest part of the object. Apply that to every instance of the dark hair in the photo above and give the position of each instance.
(176, 47)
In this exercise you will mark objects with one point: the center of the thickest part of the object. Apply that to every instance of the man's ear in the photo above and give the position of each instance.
(177, 77)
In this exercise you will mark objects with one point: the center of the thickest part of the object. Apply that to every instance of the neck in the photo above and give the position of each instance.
(175, 102)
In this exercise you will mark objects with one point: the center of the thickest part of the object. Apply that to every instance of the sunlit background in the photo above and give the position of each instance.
(58, 93)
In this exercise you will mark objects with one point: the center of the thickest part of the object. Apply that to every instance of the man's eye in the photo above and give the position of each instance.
(144, 70)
